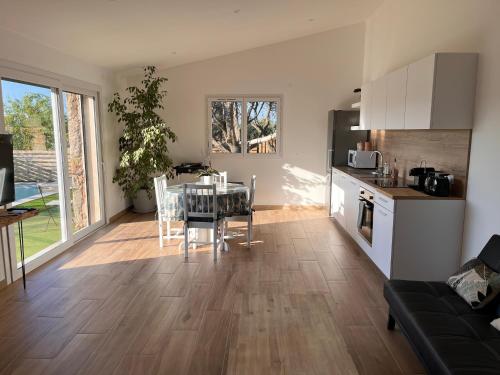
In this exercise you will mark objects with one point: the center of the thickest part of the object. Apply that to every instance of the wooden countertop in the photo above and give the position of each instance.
(393, 193)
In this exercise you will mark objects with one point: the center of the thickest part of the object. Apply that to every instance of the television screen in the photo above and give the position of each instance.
(7, 191)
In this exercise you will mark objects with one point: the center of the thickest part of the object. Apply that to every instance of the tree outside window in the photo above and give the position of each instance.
(250, 121)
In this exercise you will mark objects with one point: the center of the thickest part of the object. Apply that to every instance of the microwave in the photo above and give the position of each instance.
(361, 159)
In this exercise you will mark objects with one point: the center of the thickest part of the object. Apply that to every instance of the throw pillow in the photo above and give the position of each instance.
(476, 283)
(496, 323)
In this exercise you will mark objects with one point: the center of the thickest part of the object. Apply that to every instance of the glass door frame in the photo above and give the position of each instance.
(100, 175)
(57, 84)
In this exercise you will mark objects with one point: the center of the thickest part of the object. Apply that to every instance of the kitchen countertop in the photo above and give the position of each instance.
(394, 193)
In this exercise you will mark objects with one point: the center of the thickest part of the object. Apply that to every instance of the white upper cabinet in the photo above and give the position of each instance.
(396, 99)
(440, 92)
(364, 114)
(379, 103)
(436, 92)
(419, 91)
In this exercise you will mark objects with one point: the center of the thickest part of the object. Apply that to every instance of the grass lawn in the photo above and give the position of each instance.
(40, 231)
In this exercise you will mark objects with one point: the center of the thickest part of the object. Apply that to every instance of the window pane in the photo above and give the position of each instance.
(73, 119)
(262, 127)
(29, 118)
(226, 126)
(92, 161)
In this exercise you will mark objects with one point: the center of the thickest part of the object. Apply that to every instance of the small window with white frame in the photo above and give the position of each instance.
(245, 125)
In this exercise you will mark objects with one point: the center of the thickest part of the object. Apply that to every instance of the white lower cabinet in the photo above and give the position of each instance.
(413, 239)
(351, 206)
(338, 197)
(383, 228)
(344, 201)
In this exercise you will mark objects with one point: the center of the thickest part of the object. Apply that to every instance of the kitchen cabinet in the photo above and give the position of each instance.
(383, 221)
(413, 239)
(440, 92)
(344, 201)
(337, 198)
(365, 106)
(436, 92)
(351, 205)
(419, 92)
(396, 99)
(378, 103)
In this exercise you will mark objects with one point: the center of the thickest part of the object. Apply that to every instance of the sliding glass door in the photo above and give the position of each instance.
(29, 117)
(57, 164)
(81, 160)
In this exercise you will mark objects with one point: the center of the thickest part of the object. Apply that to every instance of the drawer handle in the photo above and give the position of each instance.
(382, 212)
(383, 200)
(352, 182)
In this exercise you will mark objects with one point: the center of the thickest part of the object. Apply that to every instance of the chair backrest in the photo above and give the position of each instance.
(220, 179)
(200, 201)
(160, 192)
(252, 191)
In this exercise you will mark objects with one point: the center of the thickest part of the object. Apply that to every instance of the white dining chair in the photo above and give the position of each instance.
(220, 179)
(200, 212)
(248, 216)
(161, 210)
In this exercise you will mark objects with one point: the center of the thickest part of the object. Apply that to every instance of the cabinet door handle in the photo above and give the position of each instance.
(383, 200)
(382, 212)
(353, 183)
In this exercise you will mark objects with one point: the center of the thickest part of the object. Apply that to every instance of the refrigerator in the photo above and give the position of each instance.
(340, 139)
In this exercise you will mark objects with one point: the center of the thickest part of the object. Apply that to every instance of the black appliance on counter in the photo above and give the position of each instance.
(342, 136)
(420, 175)
(438, 184)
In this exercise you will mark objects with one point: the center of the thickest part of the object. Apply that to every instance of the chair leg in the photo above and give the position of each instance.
(249, 231)
(168, 230)
(223, 236)
(186, 240)
(215, 229)
(160, 231)
(391, 322)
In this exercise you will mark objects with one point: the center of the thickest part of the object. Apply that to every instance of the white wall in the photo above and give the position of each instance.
(23, 52)
(313, 74)
(402, 31)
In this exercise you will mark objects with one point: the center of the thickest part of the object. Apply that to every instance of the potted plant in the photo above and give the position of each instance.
(145, 139)
(206, 174)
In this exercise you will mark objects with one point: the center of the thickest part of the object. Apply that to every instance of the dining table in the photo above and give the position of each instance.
(232, 200)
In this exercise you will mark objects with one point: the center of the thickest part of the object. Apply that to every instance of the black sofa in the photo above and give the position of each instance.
(447, 335)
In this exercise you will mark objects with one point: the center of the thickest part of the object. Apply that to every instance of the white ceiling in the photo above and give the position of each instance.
(122, 34)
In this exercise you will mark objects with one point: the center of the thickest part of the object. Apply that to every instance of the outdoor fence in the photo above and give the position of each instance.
(40, 166)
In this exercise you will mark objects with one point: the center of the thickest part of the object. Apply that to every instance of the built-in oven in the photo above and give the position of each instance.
(365, 214)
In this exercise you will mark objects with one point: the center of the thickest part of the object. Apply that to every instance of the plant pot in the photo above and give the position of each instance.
(144, 204)
(207, 180)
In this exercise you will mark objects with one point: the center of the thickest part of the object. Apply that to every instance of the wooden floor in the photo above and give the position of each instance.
(302, 300)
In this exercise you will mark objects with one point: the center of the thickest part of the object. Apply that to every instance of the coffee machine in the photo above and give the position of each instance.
(419, 176)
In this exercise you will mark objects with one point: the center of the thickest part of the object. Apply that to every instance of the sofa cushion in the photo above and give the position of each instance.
(490, 254)
(449, 336)
(476, 283)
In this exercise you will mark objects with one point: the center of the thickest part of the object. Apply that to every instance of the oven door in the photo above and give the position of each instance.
(365, 219)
